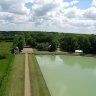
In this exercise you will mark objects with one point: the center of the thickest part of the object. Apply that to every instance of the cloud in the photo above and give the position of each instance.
(40, 10)
(73, 12)
(13, 6)
(90, 13)
(74, 2)
(47, 15)
(94, 3)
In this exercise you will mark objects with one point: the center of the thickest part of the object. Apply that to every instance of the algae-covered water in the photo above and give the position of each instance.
(69, 75)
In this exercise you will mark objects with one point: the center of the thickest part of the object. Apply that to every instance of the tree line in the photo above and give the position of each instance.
(50, 41)
(87, 43)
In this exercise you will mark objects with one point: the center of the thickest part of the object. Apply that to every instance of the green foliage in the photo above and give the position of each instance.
(5, 61)
(6, 36)
(92, 39)
(53, 46)
(5, 49)
(40, 47)
(43, 37)
(3, 56)
(84, 44)
(71, 42)
(68, 43)
(41, 40)
(31, 41)
(6, 66)
(43, 46)
(19, 41)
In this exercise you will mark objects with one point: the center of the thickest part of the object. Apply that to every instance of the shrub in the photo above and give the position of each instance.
(2, 56)
(53, 46)
(40, 47)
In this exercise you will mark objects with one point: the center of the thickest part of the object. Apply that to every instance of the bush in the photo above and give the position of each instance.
(40, 47)
(19, 41)
(44, 46)
(3, 56)
(53, 46)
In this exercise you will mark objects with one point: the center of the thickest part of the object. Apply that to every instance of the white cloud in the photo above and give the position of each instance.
(74, 2)
(49, 15)
(94, 3)
(73, 12)
(90, 13)
(13, 6)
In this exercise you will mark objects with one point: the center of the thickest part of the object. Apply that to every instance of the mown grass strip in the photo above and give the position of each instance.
(6, 59)
(15, 83)
(38, 85)
(5, 76)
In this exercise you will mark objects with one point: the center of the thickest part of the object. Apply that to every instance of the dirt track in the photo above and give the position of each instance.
(27, 50)
(27, 78)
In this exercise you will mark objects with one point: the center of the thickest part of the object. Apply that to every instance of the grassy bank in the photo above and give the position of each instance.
(5, 63)
(5, 74)
(49, 53)
(36, 52)
(38, 85)
(15, 83)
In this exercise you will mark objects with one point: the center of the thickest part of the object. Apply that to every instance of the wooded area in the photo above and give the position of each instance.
(50, 41)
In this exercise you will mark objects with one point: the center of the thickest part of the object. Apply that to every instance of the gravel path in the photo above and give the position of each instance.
(27, 78)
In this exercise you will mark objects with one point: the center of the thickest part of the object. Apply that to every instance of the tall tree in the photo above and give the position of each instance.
(53, 46)
(19, 41)
(84, 43)
(92, 39)
(68, 43)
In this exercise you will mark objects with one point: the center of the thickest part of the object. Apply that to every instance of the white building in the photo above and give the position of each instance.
(79, 51)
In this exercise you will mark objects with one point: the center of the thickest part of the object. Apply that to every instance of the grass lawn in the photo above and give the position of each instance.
(4, 50)
(50, 53)
(4, 64)
(38, 85)
(36, 52)
(11, 72)
(15, 84)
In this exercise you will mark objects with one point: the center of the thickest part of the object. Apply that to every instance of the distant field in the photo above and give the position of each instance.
(5, 48)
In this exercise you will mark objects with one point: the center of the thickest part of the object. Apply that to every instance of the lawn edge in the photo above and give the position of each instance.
(41, 78)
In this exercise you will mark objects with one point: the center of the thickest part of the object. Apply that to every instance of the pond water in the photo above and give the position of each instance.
(69, 75)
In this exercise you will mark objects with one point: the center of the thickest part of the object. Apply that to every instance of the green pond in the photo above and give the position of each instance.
(69, 75)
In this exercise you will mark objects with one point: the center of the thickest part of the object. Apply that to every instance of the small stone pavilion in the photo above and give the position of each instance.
(16, 50)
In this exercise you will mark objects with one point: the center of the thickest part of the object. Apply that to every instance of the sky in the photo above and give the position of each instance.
(70, 16)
